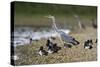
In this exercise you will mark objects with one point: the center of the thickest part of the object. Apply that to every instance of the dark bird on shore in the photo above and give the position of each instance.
(54, 48)
(42, 52)
(88, 44)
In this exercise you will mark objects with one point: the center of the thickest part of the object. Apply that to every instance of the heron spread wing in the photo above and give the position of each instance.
(65, 37)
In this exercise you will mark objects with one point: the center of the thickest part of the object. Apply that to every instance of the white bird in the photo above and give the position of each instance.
(63, 36)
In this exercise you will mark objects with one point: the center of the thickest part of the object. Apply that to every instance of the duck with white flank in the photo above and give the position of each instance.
(88, 44)
(42, 52)
(54, 48)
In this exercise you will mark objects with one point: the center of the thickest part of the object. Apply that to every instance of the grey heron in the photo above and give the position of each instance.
(63, 36)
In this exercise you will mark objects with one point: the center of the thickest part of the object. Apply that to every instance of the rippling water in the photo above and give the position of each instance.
(22, 35)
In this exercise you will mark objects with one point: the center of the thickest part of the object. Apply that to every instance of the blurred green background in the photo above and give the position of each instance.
(32, 14)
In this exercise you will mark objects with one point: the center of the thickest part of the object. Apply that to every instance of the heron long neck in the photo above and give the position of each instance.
(54, 24)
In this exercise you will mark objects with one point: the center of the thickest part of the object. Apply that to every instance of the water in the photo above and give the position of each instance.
(22, 35)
